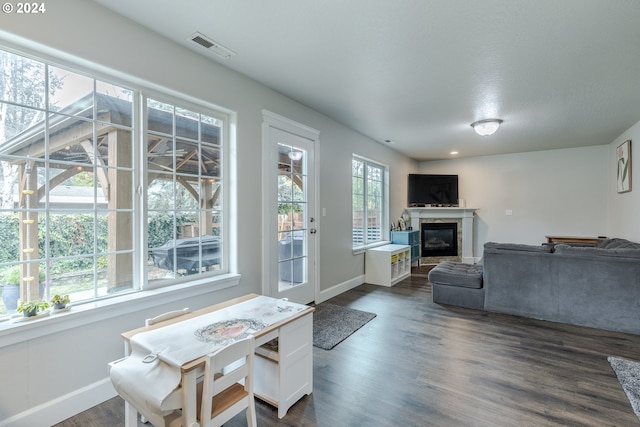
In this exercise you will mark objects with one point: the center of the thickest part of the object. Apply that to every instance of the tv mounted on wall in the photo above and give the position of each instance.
(432, 190)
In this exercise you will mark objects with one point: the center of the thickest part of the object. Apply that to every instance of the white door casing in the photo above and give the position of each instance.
(290, 221)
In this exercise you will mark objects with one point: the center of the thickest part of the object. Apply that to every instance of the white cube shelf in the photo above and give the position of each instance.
(387, 265)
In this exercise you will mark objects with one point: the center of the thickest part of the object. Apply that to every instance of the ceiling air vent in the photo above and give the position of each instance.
(211, 45)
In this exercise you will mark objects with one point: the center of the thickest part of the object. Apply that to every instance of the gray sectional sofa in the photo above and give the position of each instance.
(589, 286)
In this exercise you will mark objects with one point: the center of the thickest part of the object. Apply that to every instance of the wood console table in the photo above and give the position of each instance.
(282, 373)
(569, 239)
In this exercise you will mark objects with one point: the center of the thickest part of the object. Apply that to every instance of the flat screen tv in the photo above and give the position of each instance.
(433, 190)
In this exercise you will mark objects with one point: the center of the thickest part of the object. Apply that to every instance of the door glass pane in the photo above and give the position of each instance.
(292, 229)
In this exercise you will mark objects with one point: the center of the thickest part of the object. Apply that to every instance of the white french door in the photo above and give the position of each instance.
(289, 224)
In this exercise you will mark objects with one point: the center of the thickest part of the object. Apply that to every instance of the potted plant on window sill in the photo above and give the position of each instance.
(11, 287)
(59, 302)
(31, 308)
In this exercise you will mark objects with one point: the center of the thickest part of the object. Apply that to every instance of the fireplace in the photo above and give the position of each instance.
(439, 239)
(463, 217)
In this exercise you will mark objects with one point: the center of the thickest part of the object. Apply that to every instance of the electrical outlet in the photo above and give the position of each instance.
(509, 212)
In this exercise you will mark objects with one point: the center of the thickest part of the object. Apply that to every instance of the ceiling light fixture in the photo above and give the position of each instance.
(486, 127)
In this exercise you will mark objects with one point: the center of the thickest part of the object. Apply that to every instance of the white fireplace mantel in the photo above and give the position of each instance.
(467, 216)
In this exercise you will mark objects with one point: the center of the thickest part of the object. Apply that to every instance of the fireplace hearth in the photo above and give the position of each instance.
(439, 239)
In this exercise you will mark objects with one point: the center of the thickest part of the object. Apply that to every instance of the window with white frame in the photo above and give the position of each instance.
(89, 207)
(369, 201)
(184, 191)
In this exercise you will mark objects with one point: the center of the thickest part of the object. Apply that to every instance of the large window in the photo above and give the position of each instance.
(88, 206)
(369, 202)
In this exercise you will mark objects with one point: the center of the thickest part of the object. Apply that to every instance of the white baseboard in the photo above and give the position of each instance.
(63, 407)
(339, 288)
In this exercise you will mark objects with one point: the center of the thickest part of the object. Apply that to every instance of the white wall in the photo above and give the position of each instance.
(623, 208)
(560, 192)
(83, 33)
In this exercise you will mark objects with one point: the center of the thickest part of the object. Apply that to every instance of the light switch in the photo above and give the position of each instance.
(509, 212)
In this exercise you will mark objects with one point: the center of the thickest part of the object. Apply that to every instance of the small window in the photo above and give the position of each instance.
(369, 202)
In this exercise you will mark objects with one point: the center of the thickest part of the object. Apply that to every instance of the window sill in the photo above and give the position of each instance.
(362, 249)
(82, 314)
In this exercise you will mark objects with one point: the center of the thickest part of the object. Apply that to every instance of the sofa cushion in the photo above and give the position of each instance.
(457, 274)
(616, 243)
(618, 252)
(518, 247)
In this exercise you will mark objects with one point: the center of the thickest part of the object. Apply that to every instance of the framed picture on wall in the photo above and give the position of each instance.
(623, 168)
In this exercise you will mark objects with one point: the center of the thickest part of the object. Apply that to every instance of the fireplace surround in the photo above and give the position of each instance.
(464, 217)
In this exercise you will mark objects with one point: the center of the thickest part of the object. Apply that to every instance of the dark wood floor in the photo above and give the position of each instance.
(421, 364)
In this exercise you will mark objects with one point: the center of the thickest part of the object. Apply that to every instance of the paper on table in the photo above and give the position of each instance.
(190, 339)
(144, 385)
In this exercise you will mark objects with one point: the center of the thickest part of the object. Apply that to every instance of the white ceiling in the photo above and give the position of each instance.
(560, 73)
